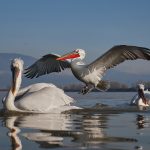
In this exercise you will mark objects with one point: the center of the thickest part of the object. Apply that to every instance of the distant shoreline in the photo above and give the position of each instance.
(109, 90)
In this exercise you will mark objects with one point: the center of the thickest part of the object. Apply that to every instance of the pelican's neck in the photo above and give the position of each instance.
(142, 98)
(10, 98)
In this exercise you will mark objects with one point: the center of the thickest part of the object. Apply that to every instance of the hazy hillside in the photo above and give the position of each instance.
(58, 78)
(124, 77)
(5, 59)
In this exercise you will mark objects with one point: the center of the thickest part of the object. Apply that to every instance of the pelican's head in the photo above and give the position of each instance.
(16, 68)
(17, 63)
(141, 86)
(78, 53)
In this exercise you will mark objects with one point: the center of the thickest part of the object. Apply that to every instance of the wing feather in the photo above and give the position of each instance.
(119, 54)
(45, 65)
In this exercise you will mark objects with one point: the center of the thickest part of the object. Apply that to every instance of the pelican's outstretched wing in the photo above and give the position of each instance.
(119, 54)
(45, 65)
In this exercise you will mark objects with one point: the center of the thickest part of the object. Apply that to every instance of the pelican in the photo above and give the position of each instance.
(92, 73)
(40, 97)
(142, 98)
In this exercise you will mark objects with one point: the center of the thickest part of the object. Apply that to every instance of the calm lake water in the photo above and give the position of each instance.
(107, 122)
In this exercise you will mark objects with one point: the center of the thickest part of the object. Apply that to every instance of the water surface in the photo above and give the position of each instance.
(106, 122)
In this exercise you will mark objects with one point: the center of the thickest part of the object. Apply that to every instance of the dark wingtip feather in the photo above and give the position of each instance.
(45, 65)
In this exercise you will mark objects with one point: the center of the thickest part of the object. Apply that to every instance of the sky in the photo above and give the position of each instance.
(39, 27)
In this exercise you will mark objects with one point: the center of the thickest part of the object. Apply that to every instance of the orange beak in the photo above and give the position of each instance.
(69, 56)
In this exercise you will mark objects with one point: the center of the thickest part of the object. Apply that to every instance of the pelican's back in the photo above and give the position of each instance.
(42, 97)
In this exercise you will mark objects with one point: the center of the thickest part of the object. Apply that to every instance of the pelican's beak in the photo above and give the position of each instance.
(69, 56)
(15, 73)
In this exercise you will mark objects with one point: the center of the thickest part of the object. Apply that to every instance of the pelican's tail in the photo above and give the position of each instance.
(103, 85)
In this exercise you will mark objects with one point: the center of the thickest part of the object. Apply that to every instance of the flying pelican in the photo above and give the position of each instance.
(92, 73)
(142, 98)
(40, 97)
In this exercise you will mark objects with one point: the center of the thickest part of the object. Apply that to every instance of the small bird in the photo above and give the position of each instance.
(90, 74)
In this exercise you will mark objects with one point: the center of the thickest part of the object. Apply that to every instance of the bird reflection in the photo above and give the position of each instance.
(83, 130)
(93, 126)
(49, 129)
(13, 133)
(48, 125)
(140, 121)
(52, 130)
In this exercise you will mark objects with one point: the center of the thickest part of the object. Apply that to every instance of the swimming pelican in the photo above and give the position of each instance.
(142, 98)
(92, 73)
(40, 97)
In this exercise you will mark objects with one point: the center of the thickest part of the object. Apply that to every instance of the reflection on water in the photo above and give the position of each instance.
(140, 121)
(87, 130)
(45, 127)
(13, 133)
(102, 127)
(52, 128)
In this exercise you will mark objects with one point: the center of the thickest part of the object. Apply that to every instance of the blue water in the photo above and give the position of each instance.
(112, 126)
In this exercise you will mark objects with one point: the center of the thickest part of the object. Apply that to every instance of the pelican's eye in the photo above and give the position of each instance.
(77, 51)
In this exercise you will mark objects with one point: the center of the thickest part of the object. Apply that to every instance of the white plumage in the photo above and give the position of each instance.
(40, 97)
(43, 97)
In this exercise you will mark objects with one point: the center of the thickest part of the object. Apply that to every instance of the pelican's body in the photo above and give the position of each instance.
(142, 98)
(84, 74)
(92, 73)
(40, 97)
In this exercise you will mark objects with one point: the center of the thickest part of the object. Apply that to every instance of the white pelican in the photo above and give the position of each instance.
(92, 73)
(142, 98)
(40, 97)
